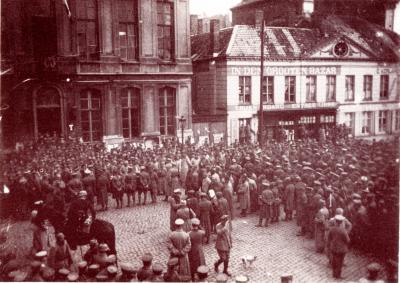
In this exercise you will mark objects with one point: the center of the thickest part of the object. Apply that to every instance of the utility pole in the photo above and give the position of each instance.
(261, 114)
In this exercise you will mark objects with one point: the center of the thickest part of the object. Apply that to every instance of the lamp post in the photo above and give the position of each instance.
(182, 121)
(261, 115)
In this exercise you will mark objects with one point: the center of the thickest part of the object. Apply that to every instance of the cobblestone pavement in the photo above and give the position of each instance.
(279, 252)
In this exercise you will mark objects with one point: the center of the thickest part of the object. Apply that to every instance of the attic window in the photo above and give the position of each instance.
(341, 49)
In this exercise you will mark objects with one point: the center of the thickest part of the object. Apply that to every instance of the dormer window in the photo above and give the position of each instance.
(341, 49)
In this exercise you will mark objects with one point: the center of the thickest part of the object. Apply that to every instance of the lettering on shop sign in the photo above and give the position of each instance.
(285, 71)
(384, 71)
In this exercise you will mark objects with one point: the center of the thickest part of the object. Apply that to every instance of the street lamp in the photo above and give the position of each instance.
(182, 121)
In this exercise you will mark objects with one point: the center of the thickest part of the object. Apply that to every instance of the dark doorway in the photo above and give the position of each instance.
(49, 120)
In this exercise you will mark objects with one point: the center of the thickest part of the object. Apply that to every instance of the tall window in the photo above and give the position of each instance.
(311, 87)
(290, 89)
(130, 104)
(397, 120)
(244, 89)
(127, 29)
(165, 25)
(86, 18)
(384, 90)
(349, 88)
(91, 120)
(268, 90)
(167, 111)
(367, 87)
(330, 88)
(366, 122)
(350, 121)
(382, 121)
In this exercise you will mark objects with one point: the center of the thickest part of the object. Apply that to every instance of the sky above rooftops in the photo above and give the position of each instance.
(212, 7)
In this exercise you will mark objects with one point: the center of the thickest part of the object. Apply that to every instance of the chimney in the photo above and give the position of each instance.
(214, 36)
(390, 8)
(308, 7)
(259, 18)
(194, 24)
(200, 26)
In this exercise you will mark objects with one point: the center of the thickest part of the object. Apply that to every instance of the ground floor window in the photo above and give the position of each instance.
(91, 115)
(245, 130)
(167, 104)
(350, 121)
(130, 105)
(382, 123)
(397, 120)
(366, 122)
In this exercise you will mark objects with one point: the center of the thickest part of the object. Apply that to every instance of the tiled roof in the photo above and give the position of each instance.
(245, 3)
(286, 43)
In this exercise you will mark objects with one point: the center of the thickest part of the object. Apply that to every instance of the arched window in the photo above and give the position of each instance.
(91, 115)
(167, 111)
(130, 104)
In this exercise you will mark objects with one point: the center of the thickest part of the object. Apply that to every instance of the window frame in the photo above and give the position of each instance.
(368, 87)
(382, 120)
(132, 93)
(90, 96)
(268, 89)
(384, 87)
(367, 118)
(163, 25)
(397, 120)
(84, 22)
(126, 22)
(245, 89)
(311, 81)
(290, 89)
(347, 89)
(163, 111)
(331, 83)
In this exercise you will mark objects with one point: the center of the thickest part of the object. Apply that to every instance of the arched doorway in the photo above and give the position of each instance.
(47, 111)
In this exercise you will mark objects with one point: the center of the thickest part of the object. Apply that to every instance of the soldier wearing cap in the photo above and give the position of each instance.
(130, 182)
(103, 186)
(179, 246)
(82, 270)
(78, 212)
(223, 244)
(92, 251)
(196, 253)
(143, 185)
(112, 271)
(337, 241)
(60, 255)
(202, 273)
(101, 258)
(288, 198)
(48, 274)
(93, 270)
(145, 272)
(73, 277)
(205, 207)
(373, 270)
(128, 273)
(35, 273)
(266, 200)
(172, 274)
(321, 222)
(157, 273)
(62, 275)
(89, 184)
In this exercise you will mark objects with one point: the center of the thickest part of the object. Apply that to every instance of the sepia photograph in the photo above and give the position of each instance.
(199, 141)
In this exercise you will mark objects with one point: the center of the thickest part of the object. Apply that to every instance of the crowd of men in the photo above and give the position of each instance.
(341, 192)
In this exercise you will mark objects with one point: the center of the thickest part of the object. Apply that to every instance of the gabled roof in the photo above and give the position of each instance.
(289, 43)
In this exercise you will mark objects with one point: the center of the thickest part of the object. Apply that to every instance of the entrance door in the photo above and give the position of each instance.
(49, 121)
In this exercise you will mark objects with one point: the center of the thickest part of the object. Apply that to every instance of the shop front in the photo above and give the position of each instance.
(297, 122)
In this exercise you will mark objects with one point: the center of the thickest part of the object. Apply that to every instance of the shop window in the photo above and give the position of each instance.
(311, 87)
(397, 120)
(349, 88)
(167, 111)
(127, 32)
(330, 88)
(87, 29)
(130, 105)
(327, 118)
(366, 122)
(91, 115)
(384, 89)
(165, 29)
(290, 89)
(245, 89)
(268, 90)
(367, 87)
(382, 121)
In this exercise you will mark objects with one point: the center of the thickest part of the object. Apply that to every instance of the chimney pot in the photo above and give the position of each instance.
(214, 36)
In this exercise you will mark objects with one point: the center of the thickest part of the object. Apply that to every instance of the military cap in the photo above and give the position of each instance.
(173, 261)
(310, 189)
(82, 264)
(356, 201)
(103, 247)
(219, 194)
(20, 276)
(339, 217)
(40, 255)
(221, 277)
(195, 221)
(202, 194)
(112, 270)
(147, 257)
(128, 268)
(179, 221)
(177, 191)
(36, 264)
(203, 269)
(73, 277)
(111, 259)
(355, 196)
(94, 267)
(63, 272)
(241, 279)
(318, 183)
(93, 242)
(374, 267)
(224, 217)
(191, 192)
(157, 268)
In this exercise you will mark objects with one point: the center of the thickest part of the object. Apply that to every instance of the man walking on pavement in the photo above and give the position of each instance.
(223, 244)
(338, 242)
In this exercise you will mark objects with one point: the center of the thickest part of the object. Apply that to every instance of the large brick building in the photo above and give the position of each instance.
(117, 69)
(346, 71)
